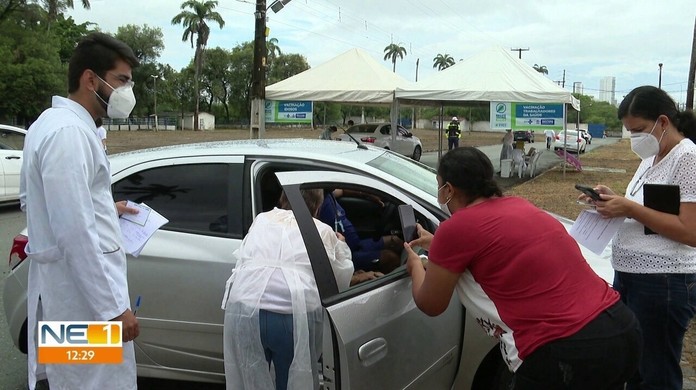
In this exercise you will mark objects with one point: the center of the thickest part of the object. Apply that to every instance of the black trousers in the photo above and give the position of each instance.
(602, 355)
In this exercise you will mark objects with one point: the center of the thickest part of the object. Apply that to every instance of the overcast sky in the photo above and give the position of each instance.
(587, 39)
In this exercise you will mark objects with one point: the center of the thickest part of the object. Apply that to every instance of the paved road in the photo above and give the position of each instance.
(547, 160)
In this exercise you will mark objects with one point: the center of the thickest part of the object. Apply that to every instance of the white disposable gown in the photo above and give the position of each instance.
(274, 243)
(77, 263)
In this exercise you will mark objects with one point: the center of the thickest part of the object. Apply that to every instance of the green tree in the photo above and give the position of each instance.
(195, 22)
(541, 69)
(56, 7)
(593, 111)
(69, 34)
(30, 67)
(272, 50)
(147, 44)
(241, 61)
(216, 78)
(286, 65)
(442, 61)
(394, 52)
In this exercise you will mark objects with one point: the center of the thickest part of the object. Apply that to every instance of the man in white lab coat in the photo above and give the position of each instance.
(77, 269)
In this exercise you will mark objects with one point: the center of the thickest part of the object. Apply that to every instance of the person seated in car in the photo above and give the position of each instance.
(382, 254)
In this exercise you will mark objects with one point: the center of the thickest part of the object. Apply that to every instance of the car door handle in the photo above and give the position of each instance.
(12, 158)
(373, 351)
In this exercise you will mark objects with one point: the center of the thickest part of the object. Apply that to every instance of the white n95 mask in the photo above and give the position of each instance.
(121, 101)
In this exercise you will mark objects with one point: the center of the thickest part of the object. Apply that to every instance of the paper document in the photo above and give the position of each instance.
(593, 231)
(136, 229)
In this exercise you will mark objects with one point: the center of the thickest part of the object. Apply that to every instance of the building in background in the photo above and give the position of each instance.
(577, 88)
(607, 89)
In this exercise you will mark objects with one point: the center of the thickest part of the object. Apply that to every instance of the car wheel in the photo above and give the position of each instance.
(417, 153)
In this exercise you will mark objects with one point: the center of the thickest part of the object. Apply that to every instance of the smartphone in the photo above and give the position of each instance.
(589, 191)
(408, 222)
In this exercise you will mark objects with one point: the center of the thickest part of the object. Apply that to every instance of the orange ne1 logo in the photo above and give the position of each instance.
(79, 342)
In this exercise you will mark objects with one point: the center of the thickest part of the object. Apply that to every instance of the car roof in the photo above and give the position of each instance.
(347, 153)
(17, 129)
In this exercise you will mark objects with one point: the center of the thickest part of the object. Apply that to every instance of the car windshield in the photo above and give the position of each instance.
(419, 175)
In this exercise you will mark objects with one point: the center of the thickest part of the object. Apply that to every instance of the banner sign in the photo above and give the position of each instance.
(278, 111)
(527, 116)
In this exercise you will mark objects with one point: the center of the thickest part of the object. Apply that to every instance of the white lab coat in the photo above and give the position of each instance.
(77, 263)
(274, 243)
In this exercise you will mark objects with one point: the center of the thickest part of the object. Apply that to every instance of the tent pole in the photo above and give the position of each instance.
(440, 124)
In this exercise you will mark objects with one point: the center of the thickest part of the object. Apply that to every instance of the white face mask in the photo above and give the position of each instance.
(121, 101)
(444, 206)
(645, 145)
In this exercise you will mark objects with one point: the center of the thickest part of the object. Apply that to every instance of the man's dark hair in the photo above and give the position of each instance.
(98, 52)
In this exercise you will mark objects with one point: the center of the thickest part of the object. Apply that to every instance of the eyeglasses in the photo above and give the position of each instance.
(638, 183)
(125, 80)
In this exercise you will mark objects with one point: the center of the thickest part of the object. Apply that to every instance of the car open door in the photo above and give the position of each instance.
(375, 336)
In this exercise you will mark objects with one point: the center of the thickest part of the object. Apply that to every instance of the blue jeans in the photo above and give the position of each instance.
(277, 340)
(452, 142)
(664, 304)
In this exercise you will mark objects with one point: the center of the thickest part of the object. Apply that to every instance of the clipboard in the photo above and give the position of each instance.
(661, 197)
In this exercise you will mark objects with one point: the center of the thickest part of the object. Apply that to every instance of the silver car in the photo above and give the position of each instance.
(375, 336)
(11, 145)
(379, 134)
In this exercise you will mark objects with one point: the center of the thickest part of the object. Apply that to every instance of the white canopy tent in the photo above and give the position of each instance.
(492, 75)
(352, 77)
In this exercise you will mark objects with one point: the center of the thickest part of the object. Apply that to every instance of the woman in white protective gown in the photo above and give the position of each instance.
(273, 313)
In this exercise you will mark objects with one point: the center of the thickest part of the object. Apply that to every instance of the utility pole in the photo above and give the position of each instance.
(258, 74)
(692, 73)
(413, 112)
(519, 51)
(563, 82)
(659, 78)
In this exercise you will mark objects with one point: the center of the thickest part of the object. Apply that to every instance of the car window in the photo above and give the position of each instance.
(386, 129)
(362, 129)
(418, 175)
(193, 197)
(11, 140)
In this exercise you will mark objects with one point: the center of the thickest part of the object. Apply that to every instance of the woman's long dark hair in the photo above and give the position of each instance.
(650, 102)
(469, 170)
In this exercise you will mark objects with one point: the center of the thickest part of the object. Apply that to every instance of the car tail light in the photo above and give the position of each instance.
(17, 253)
(368, 139)
(579, 140)
(558, 137)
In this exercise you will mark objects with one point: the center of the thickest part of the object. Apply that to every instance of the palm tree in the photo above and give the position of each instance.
(541, 69)
(273, 49)
(54, 7)
(442, 61)
(194, 23)
(394, 52)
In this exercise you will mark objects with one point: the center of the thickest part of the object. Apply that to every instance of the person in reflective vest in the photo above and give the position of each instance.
(453, 133)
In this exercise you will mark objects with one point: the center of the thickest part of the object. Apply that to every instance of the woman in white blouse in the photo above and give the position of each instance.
(272, 309)
(656, 273)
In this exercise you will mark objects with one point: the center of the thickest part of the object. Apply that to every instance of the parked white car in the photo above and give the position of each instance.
(571, 140)
(375, 336)
(379, 134)
(586, 135)
(11, 145)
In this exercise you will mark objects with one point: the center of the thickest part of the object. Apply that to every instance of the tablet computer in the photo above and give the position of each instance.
(408, 222)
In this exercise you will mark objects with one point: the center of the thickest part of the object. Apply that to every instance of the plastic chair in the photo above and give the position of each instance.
(533, 163)
(518, 162)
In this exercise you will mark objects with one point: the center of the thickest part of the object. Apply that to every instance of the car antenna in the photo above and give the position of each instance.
(360, 145)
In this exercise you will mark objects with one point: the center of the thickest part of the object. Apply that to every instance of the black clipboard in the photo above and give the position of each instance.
(661, 197)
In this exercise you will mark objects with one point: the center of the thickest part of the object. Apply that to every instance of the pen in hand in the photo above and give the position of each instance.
(137, 304)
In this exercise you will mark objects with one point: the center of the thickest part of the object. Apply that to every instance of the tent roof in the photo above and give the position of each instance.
(492, 75)
(352, 77)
